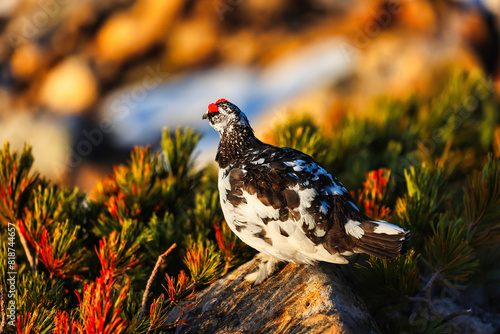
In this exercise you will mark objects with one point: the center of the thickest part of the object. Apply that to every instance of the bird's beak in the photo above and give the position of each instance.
(205, 115)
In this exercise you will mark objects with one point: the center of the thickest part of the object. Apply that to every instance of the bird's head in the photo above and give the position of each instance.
(224, 116)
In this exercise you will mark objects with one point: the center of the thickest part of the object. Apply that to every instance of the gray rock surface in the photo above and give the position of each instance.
(296, 299)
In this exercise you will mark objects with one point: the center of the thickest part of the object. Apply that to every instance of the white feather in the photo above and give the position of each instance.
(255, 206)
(388, 228)
(306, 195)
(334, 190)
(324, 208)
(319, 232)
(352, 228)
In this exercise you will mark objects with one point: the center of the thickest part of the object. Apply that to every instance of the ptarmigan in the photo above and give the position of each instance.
(286, 205)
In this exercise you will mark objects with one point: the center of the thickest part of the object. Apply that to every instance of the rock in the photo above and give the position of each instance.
(484, 319)
(7, 7)
(187, 47)
(70, 87)
(296, 299)
(132, 32)
(26, 61)
(48, 137)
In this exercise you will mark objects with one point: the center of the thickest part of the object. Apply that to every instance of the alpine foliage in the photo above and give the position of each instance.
(105, 262)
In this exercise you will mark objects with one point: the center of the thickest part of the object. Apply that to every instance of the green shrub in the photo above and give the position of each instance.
(83, 260)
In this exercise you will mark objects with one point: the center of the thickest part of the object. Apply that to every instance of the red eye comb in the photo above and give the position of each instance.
(212, 107)
(221, 100)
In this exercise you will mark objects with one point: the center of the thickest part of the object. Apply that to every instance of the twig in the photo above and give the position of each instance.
(453, 315)
(427, 298)
(151, 279)
(428, 287)
(32, 261)
(2, 306)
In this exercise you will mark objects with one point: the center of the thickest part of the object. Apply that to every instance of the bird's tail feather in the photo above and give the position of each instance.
(382, 239)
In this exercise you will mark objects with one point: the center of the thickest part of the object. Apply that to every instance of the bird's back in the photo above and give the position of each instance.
(281, 202)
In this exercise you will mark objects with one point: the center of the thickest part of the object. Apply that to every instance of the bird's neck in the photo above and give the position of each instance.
(235, 143)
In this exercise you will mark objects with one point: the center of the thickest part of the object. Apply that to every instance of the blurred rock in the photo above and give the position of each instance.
(482, 35)
(49, 139)
(70, 87)
(392, 51)
(192, 42)
(132, 32)
(242, 48)
(417, 16)
(380, 71)
(26, 61)
(260, 10)
(297, 298)
(479, 322)
(8, 6)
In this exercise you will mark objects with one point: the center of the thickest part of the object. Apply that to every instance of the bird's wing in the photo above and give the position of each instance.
(295, 197)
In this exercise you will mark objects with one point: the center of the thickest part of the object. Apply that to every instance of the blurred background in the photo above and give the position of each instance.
(83, 81)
